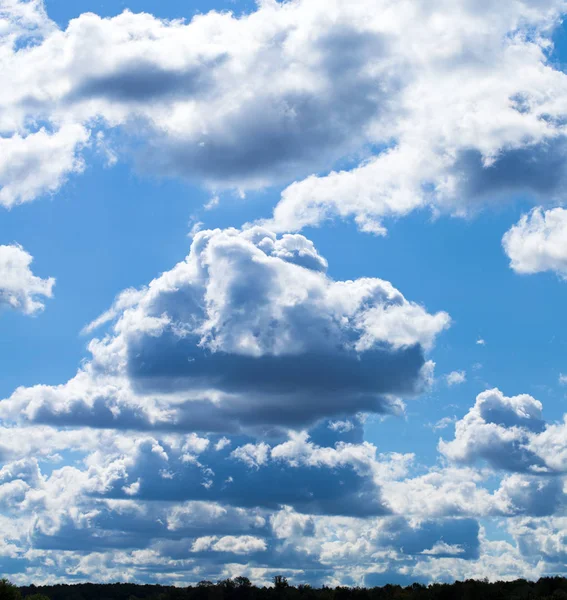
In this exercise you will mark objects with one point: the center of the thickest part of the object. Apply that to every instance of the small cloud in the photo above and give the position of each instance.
(443, 423)
(341, 426)
(196, 226)
(132, 489)
(224, 442)
(456, 378)
(212, 203)
(562, 379)
(480, 342)
(105, 150)
(441, 548)
(477, 366)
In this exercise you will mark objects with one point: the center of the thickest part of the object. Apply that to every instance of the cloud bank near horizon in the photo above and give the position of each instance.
(195, 442)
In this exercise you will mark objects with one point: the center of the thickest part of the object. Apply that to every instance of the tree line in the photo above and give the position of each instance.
(240, 588)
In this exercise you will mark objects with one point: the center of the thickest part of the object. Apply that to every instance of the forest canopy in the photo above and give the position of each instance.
(241, 588)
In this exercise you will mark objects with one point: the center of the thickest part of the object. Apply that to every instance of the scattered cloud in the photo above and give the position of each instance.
(217, 426)
(20, 289)
(456, 378)
(443, 423)
(537, 243)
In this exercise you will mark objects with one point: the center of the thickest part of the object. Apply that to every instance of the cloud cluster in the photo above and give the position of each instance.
(218, 429)
(471, 111)
(20, 289)
(131, 504)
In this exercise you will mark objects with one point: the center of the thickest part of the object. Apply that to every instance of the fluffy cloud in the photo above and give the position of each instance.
(497, 429)
(70, 518)
(509, 433)
(248, 331)
(19, 287)
(85, 521)
(543, 537)
(538, 242)
(188, 422)
(218, 429)
(39, 162)
(471, 111)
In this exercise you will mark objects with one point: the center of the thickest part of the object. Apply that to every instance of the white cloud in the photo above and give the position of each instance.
(444, 548)
(236, 544)
(342, 426)
(234, 336)
(471, 102)
(497, 430)
(288, 524)
(39, 163)
(464, 109)
(509, 433)
(538, 242)
(126, 299)
(456, 378)
(254, 455)
(224, 442)
(248, 337)
(19, 287)
(443, 423)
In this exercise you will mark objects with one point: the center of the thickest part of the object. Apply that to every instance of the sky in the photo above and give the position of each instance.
(282, 290)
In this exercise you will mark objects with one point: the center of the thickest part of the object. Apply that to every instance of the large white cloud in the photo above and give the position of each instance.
(19, 287)
(248, 331)
(435, 104)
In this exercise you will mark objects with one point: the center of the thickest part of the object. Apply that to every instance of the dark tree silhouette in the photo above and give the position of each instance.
(280, 582)
(240, 588)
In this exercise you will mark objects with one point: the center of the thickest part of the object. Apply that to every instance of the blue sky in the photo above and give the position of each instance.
(437, 166)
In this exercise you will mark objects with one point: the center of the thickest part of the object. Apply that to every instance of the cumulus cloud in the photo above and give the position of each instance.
(189, 421)
(497, 429)
(542, 538)
(248, 331)
(159, 457)
(509, 433)
(39, 163)
(472, 128)
(196, 509)
(470, 112)
(235, 544)
(20, 289)
(217, 427)
(538, 242)
(90, 511)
